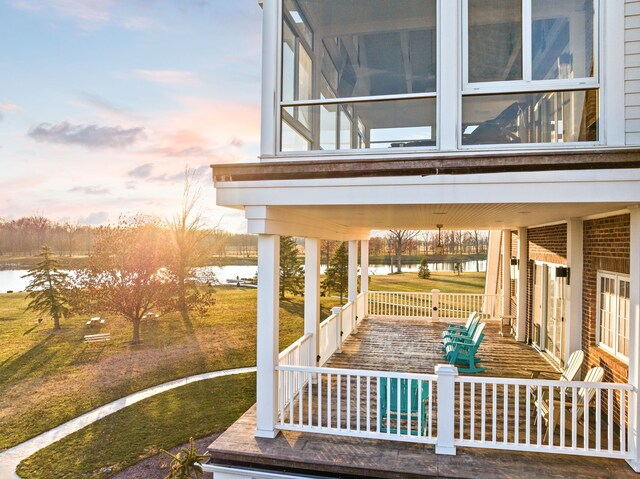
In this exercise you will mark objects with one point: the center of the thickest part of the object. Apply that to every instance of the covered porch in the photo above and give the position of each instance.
(344, 440)
(336, 383)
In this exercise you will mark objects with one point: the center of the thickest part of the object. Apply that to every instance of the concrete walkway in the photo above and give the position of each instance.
(10, 458)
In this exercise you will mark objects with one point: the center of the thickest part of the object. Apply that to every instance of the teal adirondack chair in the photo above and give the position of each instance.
(454, 328)
(464, 352)
(465, 336)
(389, 387)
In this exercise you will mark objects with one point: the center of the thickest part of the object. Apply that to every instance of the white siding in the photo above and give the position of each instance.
(632, 71)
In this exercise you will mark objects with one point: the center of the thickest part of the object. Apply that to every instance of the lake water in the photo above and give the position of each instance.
(11, 280)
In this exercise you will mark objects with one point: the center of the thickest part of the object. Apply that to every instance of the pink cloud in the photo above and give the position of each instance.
(9, 107)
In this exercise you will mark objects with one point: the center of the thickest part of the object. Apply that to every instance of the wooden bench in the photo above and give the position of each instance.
(97, 338)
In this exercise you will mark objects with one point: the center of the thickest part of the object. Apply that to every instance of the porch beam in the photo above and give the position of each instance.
(312, 295)
(353, 280)
(268, 332)
(523, 262)
(573, 323)
(634, 341)
(506, 272)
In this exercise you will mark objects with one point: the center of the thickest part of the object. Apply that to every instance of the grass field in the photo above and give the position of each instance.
(141, 430)
(47, 378)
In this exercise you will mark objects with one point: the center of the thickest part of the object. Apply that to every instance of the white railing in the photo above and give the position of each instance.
(330, 337)
(460, 305)
(298, 354)
(358, 403)
(411, 305)
(433, 305)
(361, 306)
(348, 319)
(584, 418)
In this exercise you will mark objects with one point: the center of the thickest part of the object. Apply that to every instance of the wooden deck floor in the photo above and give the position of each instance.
(407, 346)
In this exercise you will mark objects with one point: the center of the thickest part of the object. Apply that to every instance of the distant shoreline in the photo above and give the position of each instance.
(79, 261)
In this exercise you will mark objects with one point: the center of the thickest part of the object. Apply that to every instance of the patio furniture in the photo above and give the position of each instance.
(506, 320)
(465, 336)
(584, 396)
(571, 370)
(455, 328)
(388, 403)
(95, 320)
(464, 351)
(97, 338)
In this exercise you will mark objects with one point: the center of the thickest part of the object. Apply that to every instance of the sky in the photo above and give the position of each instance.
(103, 103)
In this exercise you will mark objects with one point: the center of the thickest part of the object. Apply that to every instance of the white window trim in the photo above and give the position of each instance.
(617, 277)
(527, 84)
(280, 104)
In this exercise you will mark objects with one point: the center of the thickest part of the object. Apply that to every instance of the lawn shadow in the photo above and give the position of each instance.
(29, 362)
(89, 354)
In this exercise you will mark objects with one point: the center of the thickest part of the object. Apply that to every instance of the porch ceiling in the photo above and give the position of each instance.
(452, 216)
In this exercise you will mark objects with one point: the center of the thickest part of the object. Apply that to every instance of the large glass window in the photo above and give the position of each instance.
(495, 40)
(530, 74)
(515, 118)
(340, 58)
(613, 313)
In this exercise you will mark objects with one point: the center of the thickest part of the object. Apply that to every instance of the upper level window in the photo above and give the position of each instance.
(359, 74)
(613, 314)
(530, 72)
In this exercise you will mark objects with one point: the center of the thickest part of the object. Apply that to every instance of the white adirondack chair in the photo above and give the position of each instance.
(571, 370)
(584, 396)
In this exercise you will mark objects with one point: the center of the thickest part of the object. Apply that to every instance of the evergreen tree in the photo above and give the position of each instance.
(291, 271)
(47, 288)
(337, 274)
(423, 271)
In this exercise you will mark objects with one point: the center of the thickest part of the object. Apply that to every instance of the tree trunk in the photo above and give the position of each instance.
(56, 321)
(136, 331)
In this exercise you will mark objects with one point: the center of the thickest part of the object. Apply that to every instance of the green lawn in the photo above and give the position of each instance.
(48, 378)
(139, 431)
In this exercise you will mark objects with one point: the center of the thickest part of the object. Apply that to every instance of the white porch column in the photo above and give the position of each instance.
(353, 282)
(634, 341)
(270, 23)
(506, 272)
(312, 294)
(573, 323)
(268, 335)
(364, 275)
(523, 260)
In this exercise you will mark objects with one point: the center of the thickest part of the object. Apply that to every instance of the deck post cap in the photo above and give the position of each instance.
(446, 370)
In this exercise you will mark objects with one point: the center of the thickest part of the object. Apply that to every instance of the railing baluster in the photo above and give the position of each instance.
(358, 404)
(388, 406)
(610, 420)
(539, 417)
(586, 418)
(339, 401)
(319, 400)
(623, 421)
(310, 400)
(409, 382)
(329, 422)
(291, 402)
(574, 418)
(300, 397)
(420, 409)
(430, 408)
(473, 412)
(398, 406)
(494, 415)
(563, 421)
(461, 419)
(368, 403)
(484, 412)
(347, 398)
(516, 415)
(527, 392)
(281, 375)
(598, 415)
(505, 421)
(551, 427)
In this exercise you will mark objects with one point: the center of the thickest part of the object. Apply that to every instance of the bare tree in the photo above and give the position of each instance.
(398, 242)
(189, 250)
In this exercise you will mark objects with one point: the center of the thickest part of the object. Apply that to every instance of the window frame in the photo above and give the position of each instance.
(281, 115)
(528, 84)
(610, 349)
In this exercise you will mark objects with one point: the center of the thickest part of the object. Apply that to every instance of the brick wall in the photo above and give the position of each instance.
(606, 248)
